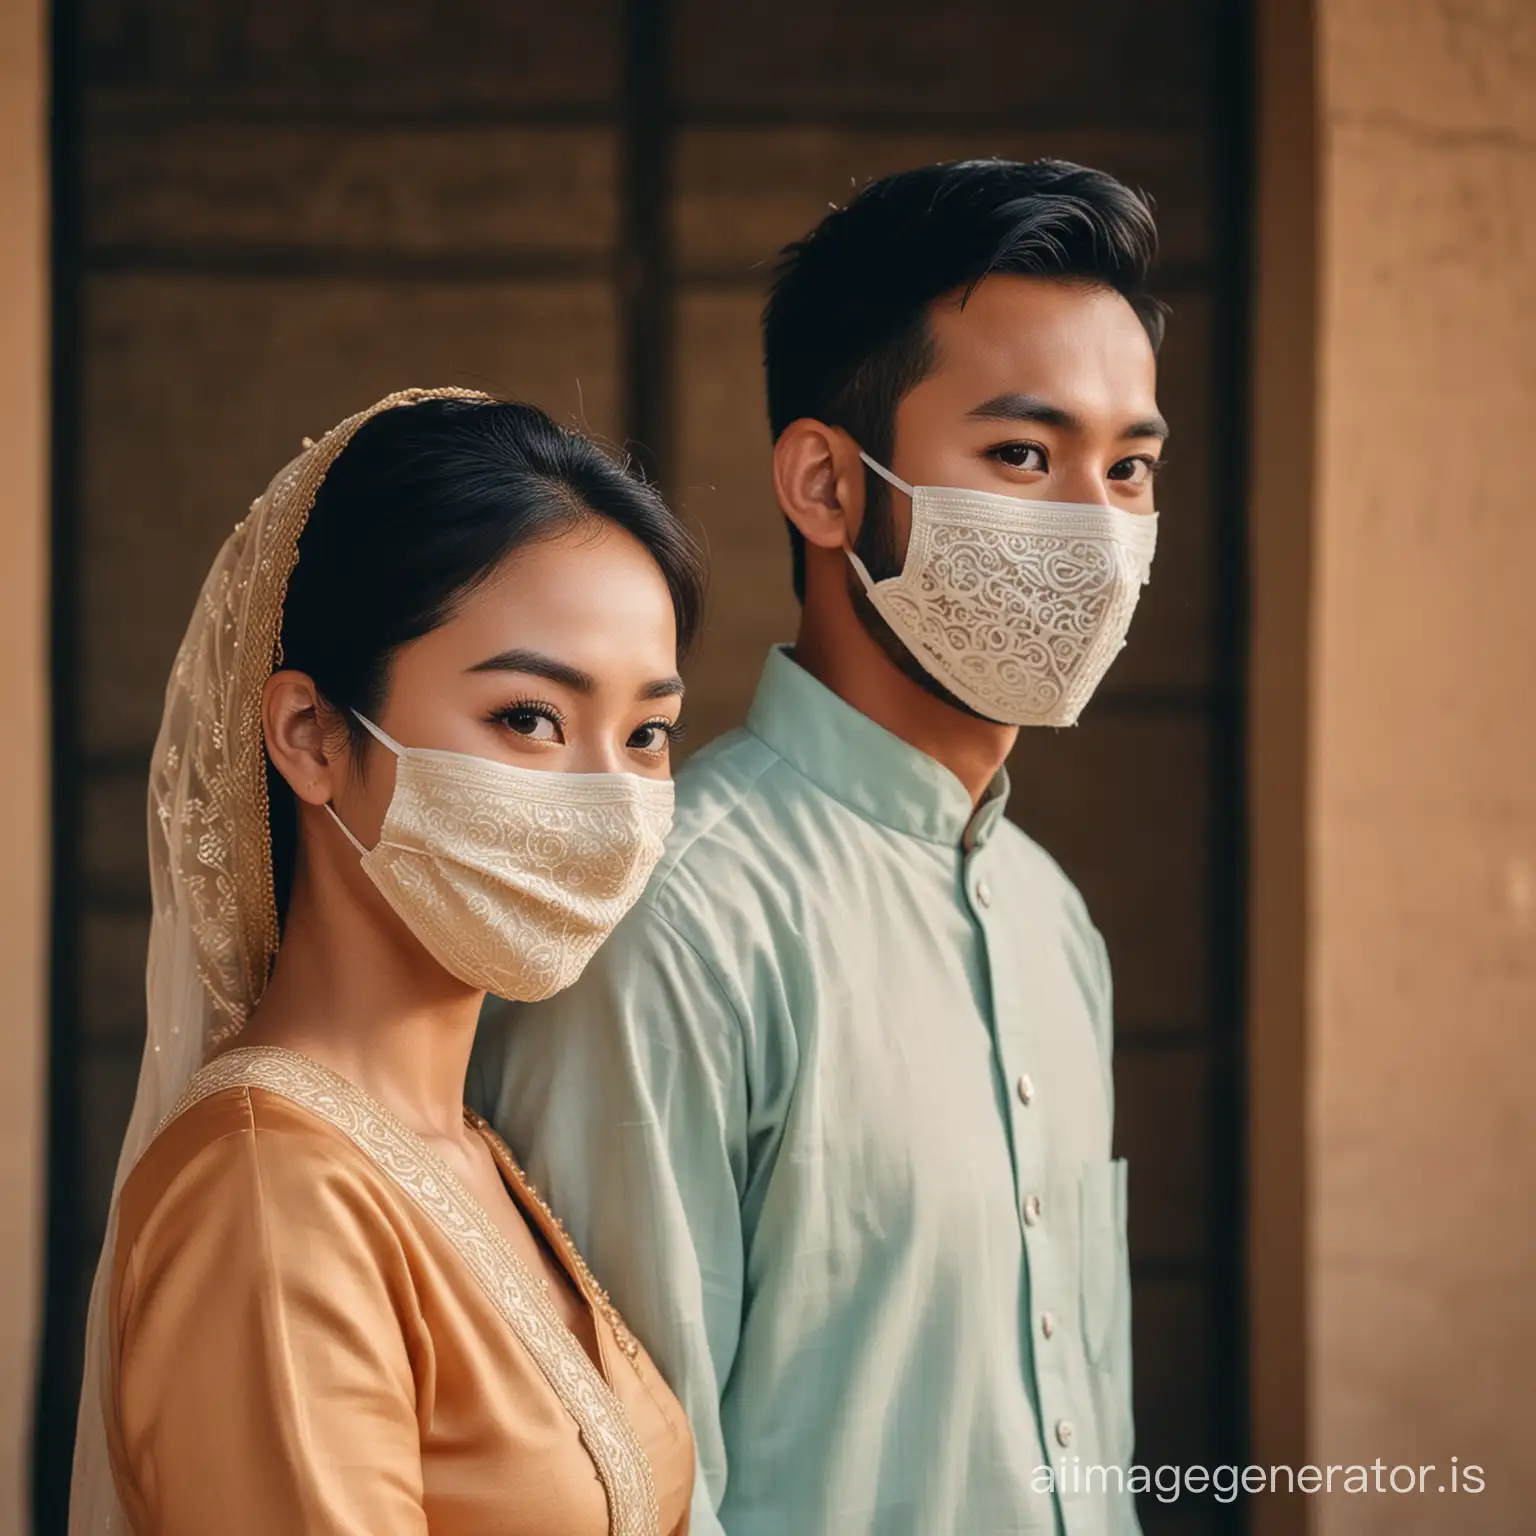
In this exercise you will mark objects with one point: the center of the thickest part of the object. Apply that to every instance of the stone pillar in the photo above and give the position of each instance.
(23, 724)
(1401, 1048)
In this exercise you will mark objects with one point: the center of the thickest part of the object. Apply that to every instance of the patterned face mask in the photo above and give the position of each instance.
(512, 877)
(1017, 607)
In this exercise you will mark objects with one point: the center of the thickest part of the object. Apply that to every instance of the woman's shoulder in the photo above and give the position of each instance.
(240, 1136)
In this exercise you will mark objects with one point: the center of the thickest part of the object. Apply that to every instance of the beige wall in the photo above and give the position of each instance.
(23, 740)
(1416, 1033)
(1283, 475)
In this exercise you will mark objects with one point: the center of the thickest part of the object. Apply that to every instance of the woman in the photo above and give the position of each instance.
(415, 748)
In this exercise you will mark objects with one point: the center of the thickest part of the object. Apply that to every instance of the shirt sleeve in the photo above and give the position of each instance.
(625, 1096)
(263, 1378)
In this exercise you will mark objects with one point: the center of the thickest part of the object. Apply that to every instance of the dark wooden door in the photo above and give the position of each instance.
(273, 211)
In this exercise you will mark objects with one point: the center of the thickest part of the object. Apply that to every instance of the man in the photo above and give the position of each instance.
(830, 1113)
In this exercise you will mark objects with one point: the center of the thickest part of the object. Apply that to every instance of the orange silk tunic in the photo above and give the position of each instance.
(316, 1328)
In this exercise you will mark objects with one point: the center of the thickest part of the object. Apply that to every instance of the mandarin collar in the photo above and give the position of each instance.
(862, 765)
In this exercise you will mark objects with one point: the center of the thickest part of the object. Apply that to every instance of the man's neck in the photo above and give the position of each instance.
(835, 648)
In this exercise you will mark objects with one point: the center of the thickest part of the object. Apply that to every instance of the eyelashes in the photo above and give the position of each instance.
(672, 730)
(1017, 454)
(517, 717)
(539, 708)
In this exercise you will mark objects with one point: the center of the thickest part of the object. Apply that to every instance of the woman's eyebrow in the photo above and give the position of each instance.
(663, 688)
(536, 664)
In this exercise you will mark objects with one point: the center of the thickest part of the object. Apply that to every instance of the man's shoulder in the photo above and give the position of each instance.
(727, 800)
(731, 859)
(1050, 891)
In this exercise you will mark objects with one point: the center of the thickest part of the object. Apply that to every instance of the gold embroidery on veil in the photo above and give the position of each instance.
(216, 847)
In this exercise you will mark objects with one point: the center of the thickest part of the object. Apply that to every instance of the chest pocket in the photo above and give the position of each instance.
(1104, 1260)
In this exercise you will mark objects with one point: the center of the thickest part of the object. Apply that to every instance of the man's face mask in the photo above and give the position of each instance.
(1017, 607)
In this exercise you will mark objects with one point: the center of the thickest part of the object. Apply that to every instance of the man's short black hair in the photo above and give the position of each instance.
(845, 331)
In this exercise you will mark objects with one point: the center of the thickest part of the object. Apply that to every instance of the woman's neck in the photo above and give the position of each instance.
(353, 990)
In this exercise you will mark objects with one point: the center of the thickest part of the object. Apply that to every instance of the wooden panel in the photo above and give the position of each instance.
(1185, 1518)
(1123, 802)
(1173, 644)
(724, 485)
(113, 949)
(1171, 1346)
(743, 193)
(108, 1078)
(1143, 62)
(255, 190)
(114, 841)
(1159, 1090)
(198, 389)
(391, 53)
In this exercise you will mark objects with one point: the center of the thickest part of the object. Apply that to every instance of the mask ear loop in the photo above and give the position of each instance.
(394, 746)
(885, 474)
(901, 485)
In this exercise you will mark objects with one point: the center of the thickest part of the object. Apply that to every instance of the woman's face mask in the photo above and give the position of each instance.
(512, 877)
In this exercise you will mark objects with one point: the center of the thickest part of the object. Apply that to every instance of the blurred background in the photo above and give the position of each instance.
(1303, 809)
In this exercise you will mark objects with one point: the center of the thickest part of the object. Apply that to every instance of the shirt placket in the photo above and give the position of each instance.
(1049, 1292)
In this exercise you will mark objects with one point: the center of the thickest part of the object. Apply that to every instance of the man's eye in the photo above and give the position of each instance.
(1137, 471)
(1030, 456)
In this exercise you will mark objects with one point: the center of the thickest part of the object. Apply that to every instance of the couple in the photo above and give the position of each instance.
(828, 1114)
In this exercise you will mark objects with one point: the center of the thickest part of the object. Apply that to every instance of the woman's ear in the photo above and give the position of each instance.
(818, 477)
(293, 720)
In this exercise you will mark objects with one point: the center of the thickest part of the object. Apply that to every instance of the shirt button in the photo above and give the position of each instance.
(1064, 1432)
(1032, 1211)
(1026, 1088)
(1048, 1324)
(984, 893)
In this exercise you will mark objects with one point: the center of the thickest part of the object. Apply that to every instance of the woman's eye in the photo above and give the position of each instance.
(1138, 471)
(533, 721)
(1030, 456)
(655, 736)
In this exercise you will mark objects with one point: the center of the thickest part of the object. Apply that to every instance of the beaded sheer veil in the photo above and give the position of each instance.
(214, 929)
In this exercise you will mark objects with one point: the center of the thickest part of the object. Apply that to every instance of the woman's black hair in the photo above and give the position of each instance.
(421, 506)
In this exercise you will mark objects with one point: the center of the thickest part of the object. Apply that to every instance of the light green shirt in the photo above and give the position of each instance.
(829, 1116)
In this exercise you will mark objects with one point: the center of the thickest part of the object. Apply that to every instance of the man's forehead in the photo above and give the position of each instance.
(1033, 336)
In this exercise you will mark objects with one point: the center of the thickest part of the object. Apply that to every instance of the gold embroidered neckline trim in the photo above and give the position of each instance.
(570, 1254)
(610, 1439)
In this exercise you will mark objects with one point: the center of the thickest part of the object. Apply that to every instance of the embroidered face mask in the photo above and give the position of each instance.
(1017, 607)
(511, 877)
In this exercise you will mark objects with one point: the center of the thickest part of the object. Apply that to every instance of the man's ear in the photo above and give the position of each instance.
(818, 478)
(293, 720)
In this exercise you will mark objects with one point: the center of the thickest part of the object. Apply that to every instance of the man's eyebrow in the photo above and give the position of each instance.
(1153, 426)
(1016, 407)
(536, 664)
